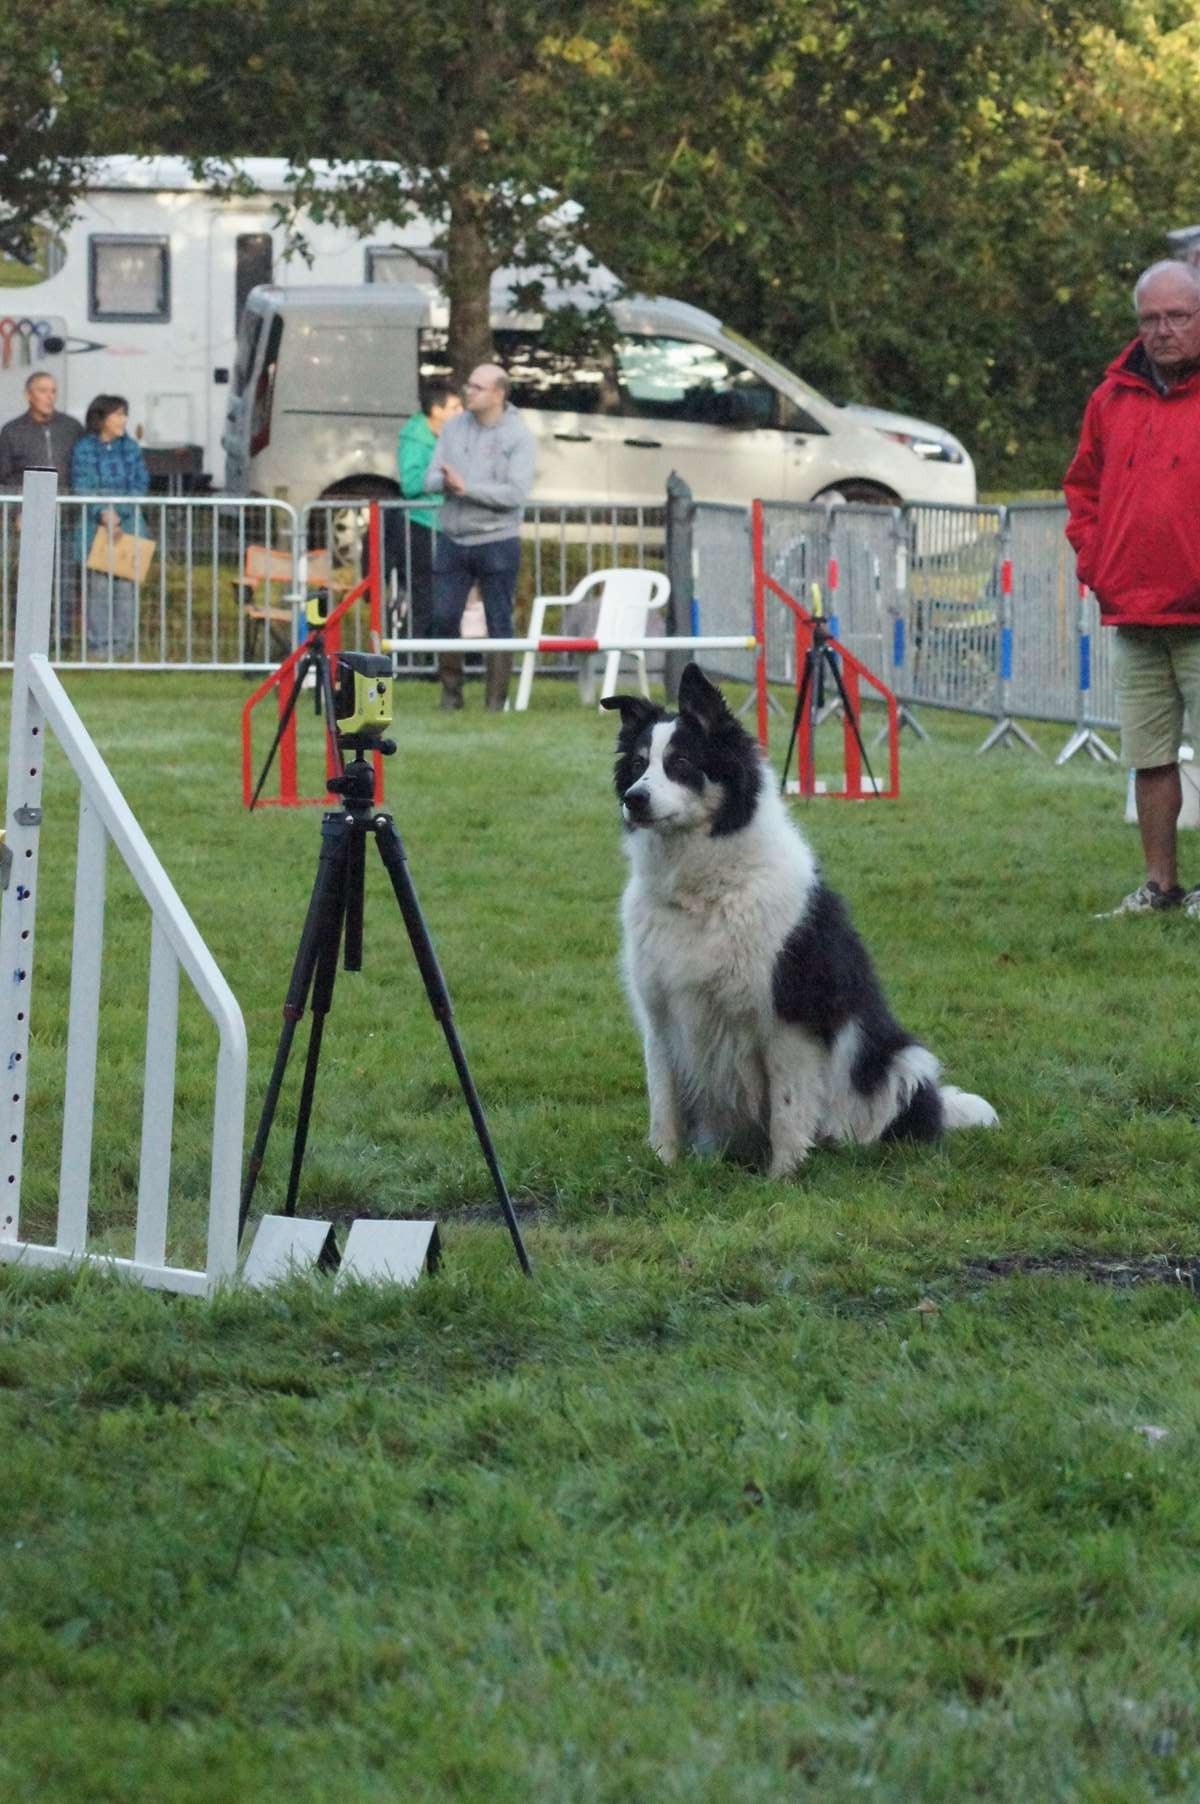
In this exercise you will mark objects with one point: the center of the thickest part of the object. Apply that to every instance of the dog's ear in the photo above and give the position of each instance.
(701, 699)
(636, 711)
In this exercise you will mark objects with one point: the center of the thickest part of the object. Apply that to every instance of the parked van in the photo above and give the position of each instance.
(325, 378)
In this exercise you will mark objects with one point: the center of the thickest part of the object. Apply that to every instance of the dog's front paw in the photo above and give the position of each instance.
(787, 1160)
(665, 1149)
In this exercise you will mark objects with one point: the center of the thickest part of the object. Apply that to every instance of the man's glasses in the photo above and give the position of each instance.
(1175, 322)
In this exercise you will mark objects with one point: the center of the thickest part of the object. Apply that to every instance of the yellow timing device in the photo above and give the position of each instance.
(363, 699)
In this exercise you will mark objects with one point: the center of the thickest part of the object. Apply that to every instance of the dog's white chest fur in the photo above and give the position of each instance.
(703, 928)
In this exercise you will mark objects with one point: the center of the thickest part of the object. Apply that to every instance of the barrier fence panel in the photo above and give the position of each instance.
(208, 585)
(953, 606)
(561, 543)
(974, 608)
(723, 584)
(864, 574)
(1046, 617)
(796, 551)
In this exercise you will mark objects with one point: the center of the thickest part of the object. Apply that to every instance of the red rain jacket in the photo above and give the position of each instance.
(1133, 495)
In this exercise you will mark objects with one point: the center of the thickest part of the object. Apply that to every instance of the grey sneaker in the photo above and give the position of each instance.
(1191, 904)
(1149, 896)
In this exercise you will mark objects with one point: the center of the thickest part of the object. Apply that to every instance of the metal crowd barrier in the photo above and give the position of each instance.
(722, 580)
(562, 542)
(971, 608)
(213, 570)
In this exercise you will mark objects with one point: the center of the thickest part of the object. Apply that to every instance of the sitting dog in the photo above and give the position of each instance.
(764, 1025)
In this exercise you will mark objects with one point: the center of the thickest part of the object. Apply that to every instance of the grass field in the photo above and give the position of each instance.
(757, 1491)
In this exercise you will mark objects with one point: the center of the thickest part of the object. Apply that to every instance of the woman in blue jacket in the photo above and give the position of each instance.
(107, 462)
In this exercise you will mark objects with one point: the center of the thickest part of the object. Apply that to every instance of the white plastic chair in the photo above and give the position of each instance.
(627, 598)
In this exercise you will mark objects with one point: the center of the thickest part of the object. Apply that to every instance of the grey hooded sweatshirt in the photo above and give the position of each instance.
(497, 464)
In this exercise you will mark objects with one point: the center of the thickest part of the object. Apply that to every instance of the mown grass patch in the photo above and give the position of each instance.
(756, 1490)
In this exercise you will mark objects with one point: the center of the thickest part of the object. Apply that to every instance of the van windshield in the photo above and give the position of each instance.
(774, 365)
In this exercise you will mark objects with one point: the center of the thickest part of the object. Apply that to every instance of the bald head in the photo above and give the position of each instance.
(487, 392)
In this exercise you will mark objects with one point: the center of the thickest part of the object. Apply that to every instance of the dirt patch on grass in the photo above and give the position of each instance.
(1121, 1274)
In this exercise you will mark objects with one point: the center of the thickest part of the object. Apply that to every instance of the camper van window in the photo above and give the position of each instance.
(419, 264)
(255, 265)
(679, 379)
(129, 278)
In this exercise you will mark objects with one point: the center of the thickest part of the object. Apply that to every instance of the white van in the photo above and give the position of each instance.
(325, 378)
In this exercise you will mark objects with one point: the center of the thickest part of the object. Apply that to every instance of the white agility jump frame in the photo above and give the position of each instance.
(39, 702)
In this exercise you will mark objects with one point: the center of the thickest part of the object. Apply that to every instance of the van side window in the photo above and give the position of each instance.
(678, 379)
(129, 277)
(556, 381)
(545, 379)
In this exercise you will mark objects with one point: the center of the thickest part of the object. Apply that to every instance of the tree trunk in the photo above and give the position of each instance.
(469, 267)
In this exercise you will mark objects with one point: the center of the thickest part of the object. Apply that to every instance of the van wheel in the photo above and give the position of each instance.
(867, 494)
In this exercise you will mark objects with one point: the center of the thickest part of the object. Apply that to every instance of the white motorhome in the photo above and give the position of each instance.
(142, 294)
(325, 378)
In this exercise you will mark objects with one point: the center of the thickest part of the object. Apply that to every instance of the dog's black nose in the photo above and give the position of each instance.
(637, 803)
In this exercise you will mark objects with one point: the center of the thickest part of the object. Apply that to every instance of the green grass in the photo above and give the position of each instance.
(757, 1491)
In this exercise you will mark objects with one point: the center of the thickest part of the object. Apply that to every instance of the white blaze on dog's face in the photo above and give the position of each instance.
(675, 775)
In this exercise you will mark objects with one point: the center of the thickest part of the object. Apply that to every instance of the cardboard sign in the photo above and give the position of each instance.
(127, 557)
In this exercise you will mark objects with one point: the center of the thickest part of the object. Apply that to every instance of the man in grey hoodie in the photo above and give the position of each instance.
(484, 465)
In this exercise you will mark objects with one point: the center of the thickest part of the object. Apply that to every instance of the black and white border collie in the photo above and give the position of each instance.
(764, 1025)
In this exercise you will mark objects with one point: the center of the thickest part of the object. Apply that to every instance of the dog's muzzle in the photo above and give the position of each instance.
(636, 806)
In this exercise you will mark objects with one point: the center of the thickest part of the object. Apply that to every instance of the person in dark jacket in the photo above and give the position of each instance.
(43, 438)
(39, 438)
(1133, 499)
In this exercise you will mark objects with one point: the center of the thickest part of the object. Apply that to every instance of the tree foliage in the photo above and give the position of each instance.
(934, 206)
(939, 208)
(44, 141)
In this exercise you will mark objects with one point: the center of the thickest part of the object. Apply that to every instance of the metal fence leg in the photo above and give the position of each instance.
(1006, 729)
(1085, 738)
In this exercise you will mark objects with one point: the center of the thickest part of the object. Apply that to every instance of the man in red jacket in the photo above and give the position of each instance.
(1133, 496)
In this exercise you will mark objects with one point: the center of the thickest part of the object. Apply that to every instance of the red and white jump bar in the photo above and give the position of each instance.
(731, 642)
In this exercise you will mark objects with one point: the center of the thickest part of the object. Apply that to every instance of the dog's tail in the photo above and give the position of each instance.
(962, 1110)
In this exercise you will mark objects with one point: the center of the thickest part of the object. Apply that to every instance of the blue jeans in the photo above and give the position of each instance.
(493, 566)
(111, 615)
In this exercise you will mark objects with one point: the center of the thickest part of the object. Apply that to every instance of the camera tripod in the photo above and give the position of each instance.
(819, 661)
(336, 903)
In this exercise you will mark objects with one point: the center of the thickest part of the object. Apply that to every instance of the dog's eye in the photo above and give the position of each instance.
(639, 765)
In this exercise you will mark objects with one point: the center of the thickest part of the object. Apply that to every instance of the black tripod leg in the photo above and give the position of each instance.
(302, 669)
(391, 850)
(322, 1000)
(797, 717)
(326, 894)
(851, 716)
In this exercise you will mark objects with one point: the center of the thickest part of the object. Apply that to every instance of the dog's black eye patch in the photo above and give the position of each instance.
(633, 756)
(679, 768)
